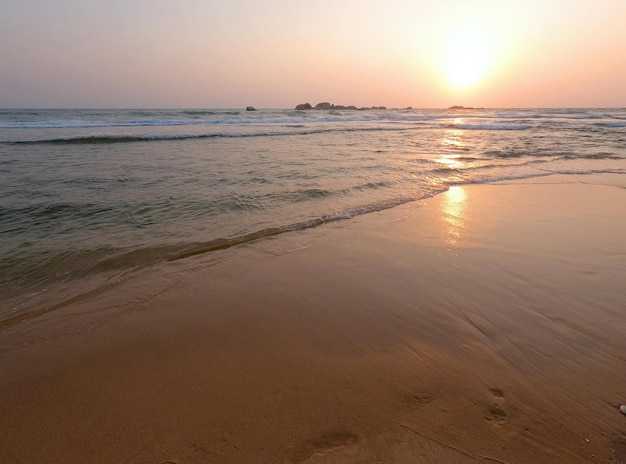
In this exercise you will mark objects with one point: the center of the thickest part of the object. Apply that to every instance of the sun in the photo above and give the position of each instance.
(466, 63)
(467, 52)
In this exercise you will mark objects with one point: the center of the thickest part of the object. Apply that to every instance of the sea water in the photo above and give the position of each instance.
(96, 193)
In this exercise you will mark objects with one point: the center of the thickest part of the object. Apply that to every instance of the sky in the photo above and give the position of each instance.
(278, 53)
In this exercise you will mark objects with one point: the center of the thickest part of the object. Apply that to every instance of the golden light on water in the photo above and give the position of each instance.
(453, 137)
(451, 143)
(454, 214)
(451, 161)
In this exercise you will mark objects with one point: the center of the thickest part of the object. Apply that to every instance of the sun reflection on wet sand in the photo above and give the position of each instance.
(454, 215)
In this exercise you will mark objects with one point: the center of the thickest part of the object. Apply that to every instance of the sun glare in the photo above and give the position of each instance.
(466, 63)
(467, 54)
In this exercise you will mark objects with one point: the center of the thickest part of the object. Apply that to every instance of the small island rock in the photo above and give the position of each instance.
(332, 106)
(251, 108)
(461, 107)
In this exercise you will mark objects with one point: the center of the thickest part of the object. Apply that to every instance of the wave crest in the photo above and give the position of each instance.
(511, 127)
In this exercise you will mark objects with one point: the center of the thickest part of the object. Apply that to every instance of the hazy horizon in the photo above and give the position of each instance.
(276, 108)
(277, 54)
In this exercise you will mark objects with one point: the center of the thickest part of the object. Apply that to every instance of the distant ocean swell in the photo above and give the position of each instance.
(60, 124)
(490, 126)
(38, 120)
(104, 139)
(108, 139)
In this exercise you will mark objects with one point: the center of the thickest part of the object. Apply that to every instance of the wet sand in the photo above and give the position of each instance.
(486, 324)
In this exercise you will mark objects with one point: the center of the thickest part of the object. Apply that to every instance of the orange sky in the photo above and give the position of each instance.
(277, 53)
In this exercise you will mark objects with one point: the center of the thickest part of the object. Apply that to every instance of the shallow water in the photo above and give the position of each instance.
(94, 193)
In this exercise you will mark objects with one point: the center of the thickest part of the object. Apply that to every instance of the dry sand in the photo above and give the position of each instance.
(486, 324)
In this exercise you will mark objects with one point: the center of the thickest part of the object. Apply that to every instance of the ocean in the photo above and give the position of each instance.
(89, 195)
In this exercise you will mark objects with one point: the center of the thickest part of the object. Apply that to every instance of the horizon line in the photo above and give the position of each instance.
(243, 108)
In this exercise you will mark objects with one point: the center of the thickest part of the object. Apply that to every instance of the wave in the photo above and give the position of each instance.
(208, 112)
(516, 153)
(109, 259)
(592, 156)
(107, 139)
(212, 118)
(19, 219)
(107, 265)
(510, 127)
(54, 119)
(98, 139)
(102, 263)
(586, 116)
(77, 124)
(611, 124)
(224, 243)
(543, 155)
(115, 259)
(194, 118)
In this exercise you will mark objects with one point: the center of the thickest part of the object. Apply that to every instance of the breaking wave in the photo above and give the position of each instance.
(109, 139)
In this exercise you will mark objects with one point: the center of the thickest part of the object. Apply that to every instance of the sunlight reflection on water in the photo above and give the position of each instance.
(451, 144)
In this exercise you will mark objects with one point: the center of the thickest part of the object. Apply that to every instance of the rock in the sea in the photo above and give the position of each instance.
(461, 107)
(251, 108)
(332, 106)
(323, 106)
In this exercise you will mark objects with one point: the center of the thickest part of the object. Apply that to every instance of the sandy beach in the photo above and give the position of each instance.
(485, 324)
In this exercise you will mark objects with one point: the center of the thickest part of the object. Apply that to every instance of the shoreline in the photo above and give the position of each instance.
(56, 295)
(51, 296)
(454, 329)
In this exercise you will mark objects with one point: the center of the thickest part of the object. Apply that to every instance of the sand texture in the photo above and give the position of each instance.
(487, 324)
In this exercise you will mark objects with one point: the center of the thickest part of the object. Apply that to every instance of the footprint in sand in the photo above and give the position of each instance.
(495, 413)
(618, 450)
(326, 443)
(419, 399)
